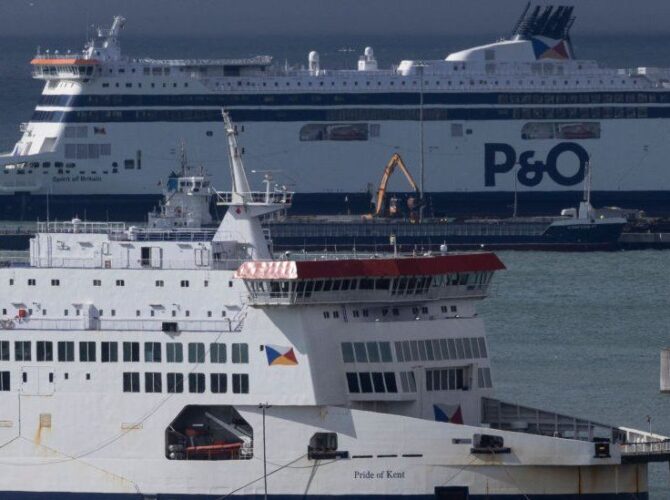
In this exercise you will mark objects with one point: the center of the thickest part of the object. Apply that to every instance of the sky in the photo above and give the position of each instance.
(313, 17)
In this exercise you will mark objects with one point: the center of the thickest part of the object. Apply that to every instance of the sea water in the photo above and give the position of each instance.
(578, 334)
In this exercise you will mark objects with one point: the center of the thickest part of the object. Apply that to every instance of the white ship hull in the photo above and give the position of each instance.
(152, 364)
(121, 452)
(513, 116)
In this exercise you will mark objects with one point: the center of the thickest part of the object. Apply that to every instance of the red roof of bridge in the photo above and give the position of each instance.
(374, 267)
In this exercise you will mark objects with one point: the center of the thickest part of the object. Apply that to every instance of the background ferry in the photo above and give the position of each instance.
(519, 116)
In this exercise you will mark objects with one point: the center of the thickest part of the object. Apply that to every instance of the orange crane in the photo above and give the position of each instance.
(395, 161)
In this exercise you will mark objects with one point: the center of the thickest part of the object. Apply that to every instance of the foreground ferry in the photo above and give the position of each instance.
(522, 115)
(134, 367)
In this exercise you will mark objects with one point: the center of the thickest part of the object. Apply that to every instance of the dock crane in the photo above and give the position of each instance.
(395, 162)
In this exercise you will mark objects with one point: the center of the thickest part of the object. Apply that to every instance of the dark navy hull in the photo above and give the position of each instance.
(21, 495)
(495, 235)
(29, 207)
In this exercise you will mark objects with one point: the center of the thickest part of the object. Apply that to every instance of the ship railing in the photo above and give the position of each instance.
(270, 298)
(274, 197)
(150, 234)
(513, 417)
(104, 262)
(81, 227)
(59, 55)
(142, 325)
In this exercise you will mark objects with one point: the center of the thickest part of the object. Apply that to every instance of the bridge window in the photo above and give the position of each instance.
(4, 381)
(369, 382)
(484, 378)
(407, 382)
(4, 350)
(446, 379)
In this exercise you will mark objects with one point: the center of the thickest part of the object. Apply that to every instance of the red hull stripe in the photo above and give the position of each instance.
(415, 266)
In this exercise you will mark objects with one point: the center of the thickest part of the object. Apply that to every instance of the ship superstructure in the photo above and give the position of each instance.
(135, 367)
(521, 115)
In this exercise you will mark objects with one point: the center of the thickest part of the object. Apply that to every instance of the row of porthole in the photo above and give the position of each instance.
(437, 83)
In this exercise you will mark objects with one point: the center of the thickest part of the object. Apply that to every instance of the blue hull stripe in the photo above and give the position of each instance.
(24, 495)
(353, 114)
(30, 207)
(355, 98)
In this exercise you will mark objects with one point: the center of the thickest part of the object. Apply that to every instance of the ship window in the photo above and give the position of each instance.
(352, 383)
(87, 351)
(4, 350)
(22, 350)
(196, 352)
(97, 282)
(373, 352)
(240, 353)
(120, 283)
(334, 132)
(196, 382)
(240, 383)
(31, 282)
(217, 352)
(160, 283)
(4, 381)
(175, 382)
(360, 352)
(131, 352)
(446, 379)
(153, 382)
(347, 352)
(365, 381)
(385, 351)
(218, 383)
(66, 351)
(55, 282)
(45, 351)
(174, 352)
(129, 164)
(131, 382)
(184, 283)
(109, 352)
(152, 352)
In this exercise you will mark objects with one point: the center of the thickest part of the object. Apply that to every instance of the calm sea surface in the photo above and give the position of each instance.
(575, 333)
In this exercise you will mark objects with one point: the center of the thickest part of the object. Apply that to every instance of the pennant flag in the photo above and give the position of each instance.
(280, 355)
(448, 413)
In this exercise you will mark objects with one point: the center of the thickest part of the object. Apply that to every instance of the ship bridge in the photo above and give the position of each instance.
(396, 279)
(63, 66)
